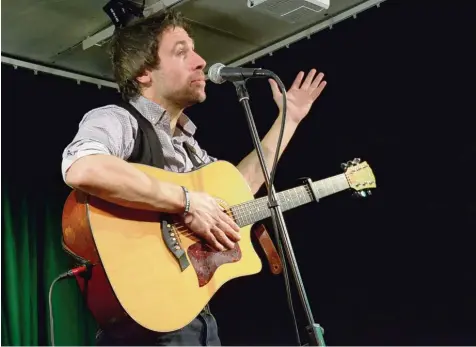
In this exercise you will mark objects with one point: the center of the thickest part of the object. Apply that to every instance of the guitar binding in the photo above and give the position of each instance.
(171, 240)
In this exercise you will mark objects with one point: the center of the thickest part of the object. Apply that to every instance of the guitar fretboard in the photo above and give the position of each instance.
(255, 210)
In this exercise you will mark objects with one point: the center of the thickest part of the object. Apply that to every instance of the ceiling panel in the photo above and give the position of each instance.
(41, 29)
(226, 31)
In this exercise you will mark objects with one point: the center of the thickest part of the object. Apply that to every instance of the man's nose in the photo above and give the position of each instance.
(198, 62)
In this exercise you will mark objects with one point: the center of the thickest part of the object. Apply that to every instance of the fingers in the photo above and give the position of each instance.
(311, 82)
(219, 231)
(317, 81)
(307, 82)
(225, 231)
(297, 81)
(274, 87)
(317, 91)
(211, 239)
(229, 227)
(203, 230)
(229, 221)
(222, 238)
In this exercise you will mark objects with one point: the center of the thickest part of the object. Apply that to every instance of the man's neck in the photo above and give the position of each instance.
(173, 110)
(174, 113)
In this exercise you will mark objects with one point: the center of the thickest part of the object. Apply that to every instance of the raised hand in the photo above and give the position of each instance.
(301, 95)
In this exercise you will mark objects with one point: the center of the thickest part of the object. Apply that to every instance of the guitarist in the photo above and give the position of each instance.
(159, 74)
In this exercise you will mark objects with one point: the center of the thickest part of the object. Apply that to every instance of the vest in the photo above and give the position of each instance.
(147, 148)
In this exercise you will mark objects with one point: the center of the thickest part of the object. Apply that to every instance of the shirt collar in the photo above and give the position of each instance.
(157, 115)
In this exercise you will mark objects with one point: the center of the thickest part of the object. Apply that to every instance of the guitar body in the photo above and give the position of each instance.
(147, 265)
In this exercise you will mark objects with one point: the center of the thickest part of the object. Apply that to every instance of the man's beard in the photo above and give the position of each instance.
(188, 97)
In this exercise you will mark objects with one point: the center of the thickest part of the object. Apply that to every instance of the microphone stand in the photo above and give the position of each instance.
(314, 330)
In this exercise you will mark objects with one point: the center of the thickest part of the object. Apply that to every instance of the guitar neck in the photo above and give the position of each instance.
(255, 210)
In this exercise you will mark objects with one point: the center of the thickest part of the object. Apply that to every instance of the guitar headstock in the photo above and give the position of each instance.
(360, 176)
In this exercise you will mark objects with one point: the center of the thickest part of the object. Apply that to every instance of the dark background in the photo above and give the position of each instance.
(394, 269)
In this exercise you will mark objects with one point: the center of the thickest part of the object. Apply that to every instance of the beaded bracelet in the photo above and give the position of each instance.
(187, 200)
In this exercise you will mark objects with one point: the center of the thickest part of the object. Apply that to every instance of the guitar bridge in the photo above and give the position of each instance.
(171, 240)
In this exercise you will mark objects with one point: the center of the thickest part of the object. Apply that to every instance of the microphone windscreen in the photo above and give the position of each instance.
(214, 73)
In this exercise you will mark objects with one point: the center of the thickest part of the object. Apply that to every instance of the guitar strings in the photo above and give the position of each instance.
(183, 230)
(239, 210)
(334, 183)
(242, 212)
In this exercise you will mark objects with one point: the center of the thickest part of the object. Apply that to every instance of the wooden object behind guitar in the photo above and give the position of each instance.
(150, 267)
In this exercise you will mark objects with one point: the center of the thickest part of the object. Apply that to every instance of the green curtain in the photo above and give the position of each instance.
(31, 258)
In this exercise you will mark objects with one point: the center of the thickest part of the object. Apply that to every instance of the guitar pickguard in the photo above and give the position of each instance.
(170, 240)
(206, 260)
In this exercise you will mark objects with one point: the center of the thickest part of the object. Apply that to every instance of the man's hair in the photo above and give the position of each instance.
(134, 49)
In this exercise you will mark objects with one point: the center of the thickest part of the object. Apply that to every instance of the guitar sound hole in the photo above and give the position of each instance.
(206, 261)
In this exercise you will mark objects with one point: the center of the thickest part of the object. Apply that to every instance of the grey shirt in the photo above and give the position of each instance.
(112, 130)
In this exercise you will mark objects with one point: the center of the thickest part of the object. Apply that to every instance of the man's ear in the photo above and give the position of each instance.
(145, 78)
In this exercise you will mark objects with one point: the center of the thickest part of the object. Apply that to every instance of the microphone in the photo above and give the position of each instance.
(219, 73)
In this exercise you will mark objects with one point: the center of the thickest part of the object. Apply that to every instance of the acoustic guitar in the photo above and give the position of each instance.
(149, 267)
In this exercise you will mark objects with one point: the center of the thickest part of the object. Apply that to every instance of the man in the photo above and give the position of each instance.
(160, 74)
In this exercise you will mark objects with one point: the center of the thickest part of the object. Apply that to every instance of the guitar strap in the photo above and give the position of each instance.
(274, 261)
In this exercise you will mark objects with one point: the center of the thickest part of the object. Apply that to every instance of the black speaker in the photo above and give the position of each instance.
(121, 12)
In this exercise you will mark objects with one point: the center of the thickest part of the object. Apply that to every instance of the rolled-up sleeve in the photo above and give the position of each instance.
(106, 130)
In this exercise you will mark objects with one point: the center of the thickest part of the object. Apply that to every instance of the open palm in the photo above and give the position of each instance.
(301, 95)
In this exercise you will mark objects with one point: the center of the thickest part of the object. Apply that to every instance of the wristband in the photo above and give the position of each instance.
(187, 200)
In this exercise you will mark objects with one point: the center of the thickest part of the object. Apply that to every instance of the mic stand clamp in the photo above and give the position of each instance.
(314, 330)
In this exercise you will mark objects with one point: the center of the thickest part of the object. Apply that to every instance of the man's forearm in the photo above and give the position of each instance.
(116, 181)
(250, 166)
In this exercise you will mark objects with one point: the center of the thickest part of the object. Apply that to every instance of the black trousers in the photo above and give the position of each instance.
(202, 331)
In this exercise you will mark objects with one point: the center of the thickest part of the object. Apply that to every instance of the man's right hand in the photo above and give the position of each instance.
(208, 220)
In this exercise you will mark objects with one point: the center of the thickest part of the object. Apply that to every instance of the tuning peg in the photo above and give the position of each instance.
(369, 192)
(344, 166)
(356, 161)
(360, 194)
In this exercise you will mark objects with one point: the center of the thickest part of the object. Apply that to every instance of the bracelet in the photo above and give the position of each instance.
(187, 200)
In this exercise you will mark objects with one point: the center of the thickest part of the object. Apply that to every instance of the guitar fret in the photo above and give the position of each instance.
(326, 186)
(252, 211)
(296, 198)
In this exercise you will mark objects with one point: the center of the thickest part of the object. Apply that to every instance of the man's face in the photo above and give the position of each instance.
(180, 78)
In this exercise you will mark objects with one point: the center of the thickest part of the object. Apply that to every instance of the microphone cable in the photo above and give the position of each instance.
(71, 273)
(282, 88)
